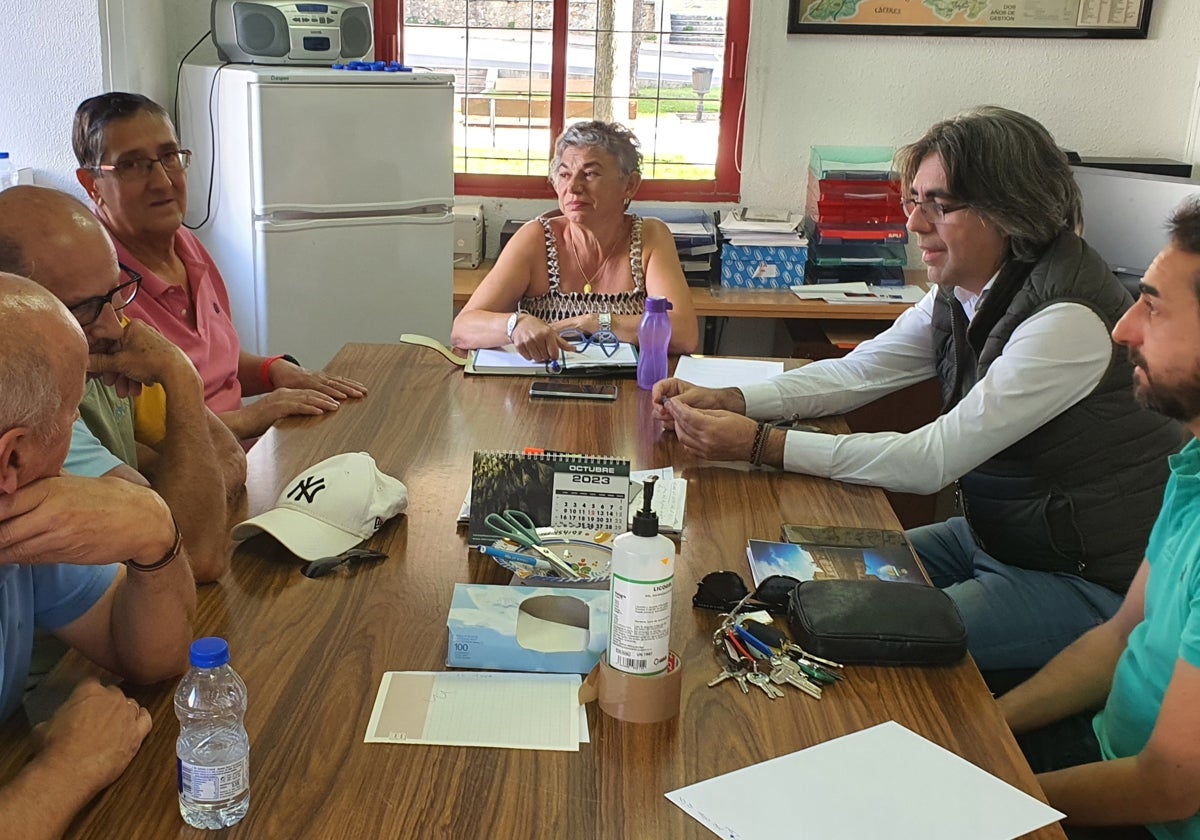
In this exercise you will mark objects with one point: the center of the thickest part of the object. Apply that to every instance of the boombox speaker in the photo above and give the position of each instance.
(275, 32)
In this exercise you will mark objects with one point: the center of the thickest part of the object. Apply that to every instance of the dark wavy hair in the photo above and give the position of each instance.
(1009, 169)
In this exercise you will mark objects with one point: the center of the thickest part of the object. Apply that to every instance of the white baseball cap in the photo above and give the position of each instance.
(330, 507)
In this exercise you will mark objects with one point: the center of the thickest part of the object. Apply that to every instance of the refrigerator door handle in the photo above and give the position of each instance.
(389, 208)
(283, 225)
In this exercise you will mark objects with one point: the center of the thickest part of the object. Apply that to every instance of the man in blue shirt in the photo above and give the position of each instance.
(1137, 762)
(97, 561)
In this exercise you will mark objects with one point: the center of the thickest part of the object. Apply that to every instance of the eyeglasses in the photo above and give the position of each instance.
(604, 339)
(722, 591)
(322, 567)
(87, 311)
(139, 169)
(933, 210)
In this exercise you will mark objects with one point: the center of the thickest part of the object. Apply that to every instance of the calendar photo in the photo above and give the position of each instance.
(554, 489)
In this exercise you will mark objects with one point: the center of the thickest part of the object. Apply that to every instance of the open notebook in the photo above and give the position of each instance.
(506, 361)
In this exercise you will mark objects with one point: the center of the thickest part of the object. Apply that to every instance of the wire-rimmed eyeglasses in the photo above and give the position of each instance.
(87, 311)
(604, 339)
(933, 210)
(138, 169)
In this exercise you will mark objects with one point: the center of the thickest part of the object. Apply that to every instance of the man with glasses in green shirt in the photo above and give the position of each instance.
(196, 464)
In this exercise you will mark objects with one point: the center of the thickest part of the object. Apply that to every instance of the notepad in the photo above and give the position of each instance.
(477, 709)
(506, 361)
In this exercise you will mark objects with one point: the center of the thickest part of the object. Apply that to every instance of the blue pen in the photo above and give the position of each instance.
(751, 640)
(512, 556)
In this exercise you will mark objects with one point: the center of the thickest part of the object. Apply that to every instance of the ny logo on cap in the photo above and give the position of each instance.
(307, 489)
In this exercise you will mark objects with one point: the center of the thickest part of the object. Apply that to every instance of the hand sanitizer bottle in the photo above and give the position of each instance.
(643, 570)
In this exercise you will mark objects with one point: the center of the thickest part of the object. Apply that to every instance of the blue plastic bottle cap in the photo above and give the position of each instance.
(3, 155)
(209, 652)
(379, 65)
(337, 66)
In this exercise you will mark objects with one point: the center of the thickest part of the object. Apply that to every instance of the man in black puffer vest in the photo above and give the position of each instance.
(1060, 471)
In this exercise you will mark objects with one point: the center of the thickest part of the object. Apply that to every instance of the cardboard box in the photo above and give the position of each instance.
(516, 628)
(762, 266)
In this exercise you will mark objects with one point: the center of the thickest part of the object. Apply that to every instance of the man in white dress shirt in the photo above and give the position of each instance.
(1059, 470)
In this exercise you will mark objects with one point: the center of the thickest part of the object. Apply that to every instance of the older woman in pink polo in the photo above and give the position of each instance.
(132, 167)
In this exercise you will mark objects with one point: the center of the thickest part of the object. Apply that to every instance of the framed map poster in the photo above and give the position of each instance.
(989, 18)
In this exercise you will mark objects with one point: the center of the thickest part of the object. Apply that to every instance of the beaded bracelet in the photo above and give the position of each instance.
(761, 435)
(166, 558)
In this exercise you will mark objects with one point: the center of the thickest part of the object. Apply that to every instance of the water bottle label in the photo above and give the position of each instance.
(213, 784)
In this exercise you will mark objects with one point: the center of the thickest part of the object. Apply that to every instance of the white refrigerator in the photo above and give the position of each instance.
(325, 198)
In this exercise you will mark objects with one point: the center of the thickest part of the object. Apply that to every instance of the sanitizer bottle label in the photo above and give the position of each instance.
(640, 633)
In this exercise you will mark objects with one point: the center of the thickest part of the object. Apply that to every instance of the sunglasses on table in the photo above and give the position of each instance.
(325, 565)
(723, 591)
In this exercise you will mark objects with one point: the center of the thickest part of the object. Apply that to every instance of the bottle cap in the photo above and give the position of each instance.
(209, 652)
(645, 521)
(658, 304)
(3, 155)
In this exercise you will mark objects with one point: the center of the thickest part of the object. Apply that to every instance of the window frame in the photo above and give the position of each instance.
(725, 187)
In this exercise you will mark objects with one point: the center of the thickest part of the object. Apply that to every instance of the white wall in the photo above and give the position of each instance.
(50, 62)
(1099, 97)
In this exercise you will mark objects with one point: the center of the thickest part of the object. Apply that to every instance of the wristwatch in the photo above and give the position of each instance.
(512, 323)
(605, 319)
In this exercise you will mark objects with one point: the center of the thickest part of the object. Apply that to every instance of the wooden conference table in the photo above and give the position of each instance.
(312, 652)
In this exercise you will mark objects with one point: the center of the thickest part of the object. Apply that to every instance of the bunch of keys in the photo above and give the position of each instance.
(746, 646)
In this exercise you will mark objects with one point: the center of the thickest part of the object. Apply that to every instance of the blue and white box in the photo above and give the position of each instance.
(518, 628)
(762, 266)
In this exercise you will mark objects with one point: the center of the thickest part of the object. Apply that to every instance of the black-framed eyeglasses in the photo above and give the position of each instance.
(722, 591)
(87, 311)
(322, 567)
(138, 169)
(933, 210)
(604, 339)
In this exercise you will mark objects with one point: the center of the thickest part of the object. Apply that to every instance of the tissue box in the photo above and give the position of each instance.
(516, 628)
(762, 266)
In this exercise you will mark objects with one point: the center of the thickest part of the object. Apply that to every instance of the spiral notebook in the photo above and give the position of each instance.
(557, 490)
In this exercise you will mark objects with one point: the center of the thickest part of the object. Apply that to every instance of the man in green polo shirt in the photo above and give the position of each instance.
(1137, 761)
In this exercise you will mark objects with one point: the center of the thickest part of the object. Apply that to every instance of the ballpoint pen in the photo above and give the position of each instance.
(512, 556)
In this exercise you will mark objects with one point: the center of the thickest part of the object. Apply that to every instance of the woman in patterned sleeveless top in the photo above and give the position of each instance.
(588, 263)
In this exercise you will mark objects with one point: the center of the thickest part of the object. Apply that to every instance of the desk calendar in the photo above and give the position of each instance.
(562, 491)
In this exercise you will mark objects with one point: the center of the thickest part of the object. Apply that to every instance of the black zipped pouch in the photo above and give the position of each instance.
(874, 622)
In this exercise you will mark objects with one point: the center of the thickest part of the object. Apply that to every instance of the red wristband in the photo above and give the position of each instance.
(263, 375)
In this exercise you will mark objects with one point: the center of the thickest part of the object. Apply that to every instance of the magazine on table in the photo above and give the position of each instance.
(857, 553)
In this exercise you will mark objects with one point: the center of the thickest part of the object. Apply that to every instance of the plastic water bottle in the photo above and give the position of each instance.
(8, 172)
(213, 749)
(654, 335)
(642, 575)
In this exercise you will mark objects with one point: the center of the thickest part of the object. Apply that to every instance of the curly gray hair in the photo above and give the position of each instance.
(613, 138)
(1007, 167)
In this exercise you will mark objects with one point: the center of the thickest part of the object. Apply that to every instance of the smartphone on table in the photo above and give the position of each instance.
(573, 390)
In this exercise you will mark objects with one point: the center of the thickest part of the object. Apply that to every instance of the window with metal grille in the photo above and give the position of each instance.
(671, 70)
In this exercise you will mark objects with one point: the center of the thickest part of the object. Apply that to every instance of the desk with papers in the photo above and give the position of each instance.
(313, 652)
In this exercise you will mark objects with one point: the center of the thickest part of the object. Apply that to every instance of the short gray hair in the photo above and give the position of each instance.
(93, 116)
(613, 138)
(29, 378)
(1007, 167)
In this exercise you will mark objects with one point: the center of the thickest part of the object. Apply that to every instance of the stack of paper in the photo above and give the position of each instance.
(738, 230)
(859, 293)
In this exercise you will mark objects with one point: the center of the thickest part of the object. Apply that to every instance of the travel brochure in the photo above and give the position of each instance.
(816, 552)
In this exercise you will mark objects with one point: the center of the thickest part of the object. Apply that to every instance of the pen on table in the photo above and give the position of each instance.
(512, 556)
